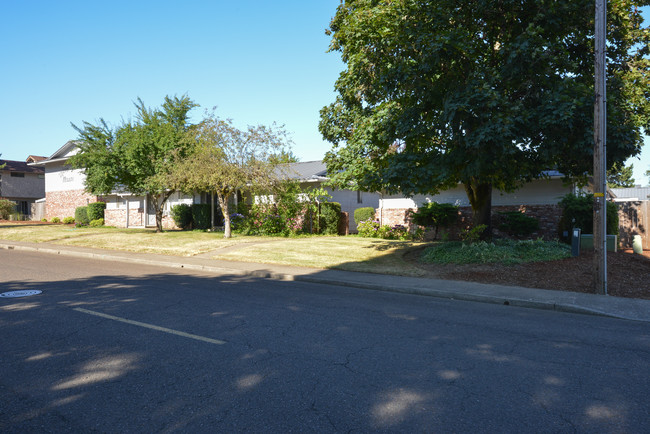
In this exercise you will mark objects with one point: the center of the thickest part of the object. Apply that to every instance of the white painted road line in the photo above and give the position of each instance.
(151, 326)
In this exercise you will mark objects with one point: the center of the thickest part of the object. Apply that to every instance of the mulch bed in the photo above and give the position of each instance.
(628, 273)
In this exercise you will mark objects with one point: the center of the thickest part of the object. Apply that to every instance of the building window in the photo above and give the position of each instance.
(17, 175)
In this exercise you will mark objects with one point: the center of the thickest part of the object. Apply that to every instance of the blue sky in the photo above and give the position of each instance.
(257, 61)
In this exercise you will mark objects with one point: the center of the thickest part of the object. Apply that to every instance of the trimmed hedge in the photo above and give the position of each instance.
(330, 213)
(201, 216)
(96, 210)
(182, 215)
(81, 215)
(363, 214)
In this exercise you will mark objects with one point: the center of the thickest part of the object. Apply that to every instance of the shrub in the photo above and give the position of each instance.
(369, 228)
(56, 220)
(518, 223)
(201, 216)
(237, 221)
(473, 234)
(363, 214)
(7, 208)
(96, 210)
(372, 229)
(96, 223)
(182, 215)
(578, 212)
(68, 220)
(44, 220)
(330, 214)
(81, 216)
(435, 215)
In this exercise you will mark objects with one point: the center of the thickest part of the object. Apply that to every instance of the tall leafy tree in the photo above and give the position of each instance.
(620, 176)
(486, 93)
(138, 155)
(225, 159)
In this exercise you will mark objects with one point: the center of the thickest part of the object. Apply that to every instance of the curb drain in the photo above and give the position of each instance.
(24, 293)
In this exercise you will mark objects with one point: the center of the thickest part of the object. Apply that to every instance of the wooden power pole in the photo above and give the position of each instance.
(600, 146)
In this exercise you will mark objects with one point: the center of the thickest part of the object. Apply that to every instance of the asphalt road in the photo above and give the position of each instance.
(113, 347)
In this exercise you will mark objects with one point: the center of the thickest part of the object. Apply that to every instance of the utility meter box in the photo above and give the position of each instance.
(575, 242)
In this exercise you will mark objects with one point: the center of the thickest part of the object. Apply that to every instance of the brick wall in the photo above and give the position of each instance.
(63, 203)
(117, 218)
(547, 215)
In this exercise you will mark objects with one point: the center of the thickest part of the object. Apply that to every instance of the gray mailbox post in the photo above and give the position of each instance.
(575, 242)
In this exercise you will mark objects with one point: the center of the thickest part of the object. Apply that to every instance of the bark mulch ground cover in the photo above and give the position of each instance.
(628, 273)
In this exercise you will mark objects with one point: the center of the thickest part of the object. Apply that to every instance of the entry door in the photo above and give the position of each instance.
(151, 213)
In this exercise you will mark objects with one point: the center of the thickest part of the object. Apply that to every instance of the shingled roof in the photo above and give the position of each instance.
(305, 171)
(19, 166)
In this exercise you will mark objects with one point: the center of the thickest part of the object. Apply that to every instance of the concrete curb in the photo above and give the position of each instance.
(591, 304)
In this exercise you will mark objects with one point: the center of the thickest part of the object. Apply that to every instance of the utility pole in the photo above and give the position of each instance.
(600, 146)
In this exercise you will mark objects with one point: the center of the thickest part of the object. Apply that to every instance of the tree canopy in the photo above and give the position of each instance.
(620, 176)
(225, 159)
(487, 93)
(138, 155)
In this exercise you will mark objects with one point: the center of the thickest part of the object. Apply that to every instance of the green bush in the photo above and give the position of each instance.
(68, 220)
(518, 223)
(56, 220)
(330, 215)
(182, 215)
(81, 216)
(435, 215)
(201, 216)
(363, 214)
(44, 220)
(578, 212)
(372, 229)
(96, 210)
(368, 228)
(96, 223)
(7, 208)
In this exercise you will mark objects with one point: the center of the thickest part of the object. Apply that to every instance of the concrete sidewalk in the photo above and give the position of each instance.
(616, 307)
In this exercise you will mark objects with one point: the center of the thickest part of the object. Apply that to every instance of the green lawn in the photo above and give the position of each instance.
(347, 253)
(179, 243)
(351, 253)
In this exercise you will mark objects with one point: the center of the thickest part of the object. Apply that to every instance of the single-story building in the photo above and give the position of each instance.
(539, 199)
(65, 191)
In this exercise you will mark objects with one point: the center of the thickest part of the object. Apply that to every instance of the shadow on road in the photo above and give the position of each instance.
(297, 357)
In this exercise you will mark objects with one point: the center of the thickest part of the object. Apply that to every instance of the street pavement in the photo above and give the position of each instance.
(117, 347)
(616, 307)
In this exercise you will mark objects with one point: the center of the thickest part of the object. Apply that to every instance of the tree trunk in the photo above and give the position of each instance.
(223, 203)
(480, 198)
(160, 207)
